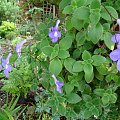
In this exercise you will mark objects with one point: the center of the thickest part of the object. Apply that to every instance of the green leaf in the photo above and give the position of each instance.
(43, 43)
(63, 54)
(87, 113)
(98, 60)
(88, 69)
(47, 50)
(95, 33)
(55, 66)
(68, 63)
(105, 15)
(95, 17)
(53, 55)
(108, 41)
(102, 69)
(68, 23)
(86, 55)
(112, 76)
(113, 98)
(95, 112)
(66, 43)
(68, 10)
(64, 3)
(73, 98)
(80, 38)
(69, 88)
(82, 13)
(98, 75)
(80, 2)
(99, 91)
(86, 97)
(105, 98)
(76, 53)
(55, 51)
(62, 110)
(42, 26)
(78, 66)
(76, 23)
(95, 4)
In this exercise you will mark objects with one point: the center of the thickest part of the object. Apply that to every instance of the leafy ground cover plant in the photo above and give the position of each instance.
(72, 63)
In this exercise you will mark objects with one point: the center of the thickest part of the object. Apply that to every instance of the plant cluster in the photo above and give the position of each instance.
(73, 63)
(8, 10)
(7, 28)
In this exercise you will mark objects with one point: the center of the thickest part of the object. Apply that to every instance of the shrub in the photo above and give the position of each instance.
(8, 10)
(7, 28)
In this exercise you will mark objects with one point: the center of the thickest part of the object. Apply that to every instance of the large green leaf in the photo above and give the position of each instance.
(95, 33)
(66, 42)
(76, 23)
(68, 63)
(99, 91)
(68, 10)
(69, 88)
(102, 69)
(55, 51)
(64, 3)
(108, 41)
(105, 98)
(78, 66)
(88, 69)
(106, 15)
(80, 38)
(47, 50)
(113, 98)
(86, 55)
(98, 60)
(55, 66)
(94, 16)
(63, 54)
(73, 98)
(95, 4)
(82, 13)
(68, 23)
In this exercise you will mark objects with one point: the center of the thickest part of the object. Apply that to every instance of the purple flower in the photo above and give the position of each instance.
(58, 84)
(54, 34)
(115, 56)
(18, 47)
(116, 38)
(7, 67)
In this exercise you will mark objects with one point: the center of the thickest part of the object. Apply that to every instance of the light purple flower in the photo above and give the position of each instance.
(116, 38)
(19, 46)
(58, 84)
(115, 56)
(54, 34)
(7, 67)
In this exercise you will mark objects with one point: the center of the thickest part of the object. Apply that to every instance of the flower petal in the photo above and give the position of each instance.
(6, 73)
(59, 89)
(118, 65)
(9, 68)
(115, 55)
(54, 40)
(116, 38)
(19, 46)
(58, 84)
